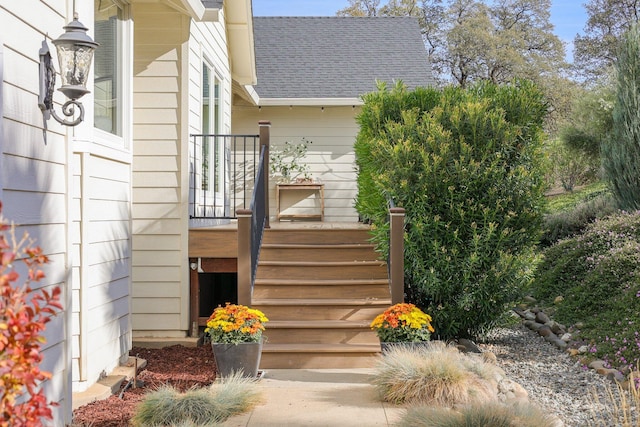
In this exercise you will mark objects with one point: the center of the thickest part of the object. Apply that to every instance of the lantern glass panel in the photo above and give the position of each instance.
(75, 64)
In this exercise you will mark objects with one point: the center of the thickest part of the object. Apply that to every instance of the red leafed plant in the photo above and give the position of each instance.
(23, 315)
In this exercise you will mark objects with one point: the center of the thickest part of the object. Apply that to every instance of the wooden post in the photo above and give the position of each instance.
(396, 254)
(265, 128)
(194, 285)
(244, 256)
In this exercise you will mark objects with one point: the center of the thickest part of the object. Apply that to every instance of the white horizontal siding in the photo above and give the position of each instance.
(159, 210)
(101, 256)
(33, 176)
(330, 156)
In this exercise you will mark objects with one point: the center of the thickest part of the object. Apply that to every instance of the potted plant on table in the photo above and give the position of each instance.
(236, 338)
(285, 163)
(402, 324)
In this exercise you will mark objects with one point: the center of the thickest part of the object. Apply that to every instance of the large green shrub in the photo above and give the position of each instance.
(621, 153)
(466, 166)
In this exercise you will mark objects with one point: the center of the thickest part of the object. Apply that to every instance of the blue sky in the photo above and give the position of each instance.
(568, 16)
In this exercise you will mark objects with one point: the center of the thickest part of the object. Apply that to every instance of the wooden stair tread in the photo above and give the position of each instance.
(323, 263)
(361, 302)
(316, 246)
(321, 348)
(294, 282)
(318, 324)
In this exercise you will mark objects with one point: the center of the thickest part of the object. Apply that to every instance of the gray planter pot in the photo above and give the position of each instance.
(232, 358)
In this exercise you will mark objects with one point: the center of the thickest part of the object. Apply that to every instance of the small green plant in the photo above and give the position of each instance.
(433, 374)
(203, 407)
(492, 414)
(567, 223)
(286, 162)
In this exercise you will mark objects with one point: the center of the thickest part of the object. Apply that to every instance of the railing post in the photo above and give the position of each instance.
(244, 256)
(396, 254)
(265, 128)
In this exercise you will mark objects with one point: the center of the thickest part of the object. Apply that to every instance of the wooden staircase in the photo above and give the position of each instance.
(320, 289)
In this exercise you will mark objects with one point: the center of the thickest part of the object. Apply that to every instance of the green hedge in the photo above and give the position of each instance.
(466, 164)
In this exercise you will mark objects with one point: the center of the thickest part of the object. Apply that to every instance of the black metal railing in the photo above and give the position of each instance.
(222, 174)
(259, 213)
(253, 221)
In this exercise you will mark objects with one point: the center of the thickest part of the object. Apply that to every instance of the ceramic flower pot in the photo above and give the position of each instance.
(232, 358)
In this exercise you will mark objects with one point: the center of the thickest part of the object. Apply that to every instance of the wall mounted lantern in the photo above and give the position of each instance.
(75, 51)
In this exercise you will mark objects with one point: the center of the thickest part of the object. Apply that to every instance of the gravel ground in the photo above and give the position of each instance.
(554, 380)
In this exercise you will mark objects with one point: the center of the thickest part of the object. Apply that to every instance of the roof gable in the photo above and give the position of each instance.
(337, 57)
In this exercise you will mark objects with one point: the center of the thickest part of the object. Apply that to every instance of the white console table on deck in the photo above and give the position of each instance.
(308, 209)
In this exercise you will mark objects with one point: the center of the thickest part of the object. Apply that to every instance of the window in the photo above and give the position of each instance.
(108, 82)
(211, 151)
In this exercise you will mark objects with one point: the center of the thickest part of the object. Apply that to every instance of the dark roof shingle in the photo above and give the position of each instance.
(337, 57)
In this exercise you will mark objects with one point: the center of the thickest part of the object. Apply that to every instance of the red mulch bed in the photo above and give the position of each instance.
(178, 366)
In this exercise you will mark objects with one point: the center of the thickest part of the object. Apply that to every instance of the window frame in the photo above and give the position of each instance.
(125, 75)
(215, 116)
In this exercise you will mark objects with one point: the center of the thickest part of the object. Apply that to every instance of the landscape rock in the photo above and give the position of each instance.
(566, 337)
(545, 331)
(541, 317)
(531, 324)
(615, 376)
(510, 391)
(556, 327)
(469, 346)
(597, 364)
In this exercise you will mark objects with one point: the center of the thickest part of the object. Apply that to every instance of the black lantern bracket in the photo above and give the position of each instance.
(75, 51)
(45, 98)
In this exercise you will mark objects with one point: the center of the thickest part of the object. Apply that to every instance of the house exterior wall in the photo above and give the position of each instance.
(167, 106)
(331, 158)
(158, 208)
(72, 194)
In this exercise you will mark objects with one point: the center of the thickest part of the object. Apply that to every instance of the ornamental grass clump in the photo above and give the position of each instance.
(197, 407)
(436, 374)
(403, 323)
(235, 324)
(492, 414)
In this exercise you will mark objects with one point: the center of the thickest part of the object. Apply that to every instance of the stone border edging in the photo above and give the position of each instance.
(557, 334)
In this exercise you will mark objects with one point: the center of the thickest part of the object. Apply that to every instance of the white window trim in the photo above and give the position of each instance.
(108, 140)
(215, 76)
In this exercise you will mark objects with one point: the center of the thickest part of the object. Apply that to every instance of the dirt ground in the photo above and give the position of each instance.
(179, 366)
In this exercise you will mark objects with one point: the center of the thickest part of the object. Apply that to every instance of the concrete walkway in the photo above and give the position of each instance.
(318, 397)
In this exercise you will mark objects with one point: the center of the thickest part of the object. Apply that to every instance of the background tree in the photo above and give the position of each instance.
(595, 51)
(472, 40)
(621, 152)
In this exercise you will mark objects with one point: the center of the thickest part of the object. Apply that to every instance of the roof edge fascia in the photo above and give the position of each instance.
(239, 22)
(252, 94)
(313, 102)
(194, 8)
